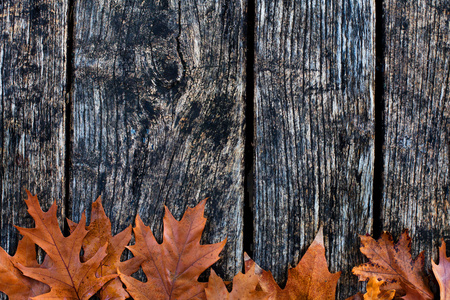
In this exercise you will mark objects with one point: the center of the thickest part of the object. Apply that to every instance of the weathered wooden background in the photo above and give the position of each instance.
(289, 115)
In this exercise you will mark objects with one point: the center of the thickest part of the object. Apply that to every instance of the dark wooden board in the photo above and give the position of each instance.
(314, 147)
(417, 123)
(158, 114)
(32, 105)
(32, 111)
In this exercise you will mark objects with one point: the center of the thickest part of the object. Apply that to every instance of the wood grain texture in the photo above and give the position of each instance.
(314, 116)
(32, 105)
(158, 114)
(417, 127)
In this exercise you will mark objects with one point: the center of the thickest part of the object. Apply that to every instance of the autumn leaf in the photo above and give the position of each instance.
(310, 279)
(99, 234)
(67, 277)
(173, 267)
(374, 292)
(244, 287)
(394, 264)
(442, 272)
(12, 282)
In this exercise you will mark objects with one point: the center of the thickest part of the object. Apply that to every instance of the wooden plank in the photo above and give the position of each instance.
(32, 121)
(417, 122)
(314, 147)
(158, 113)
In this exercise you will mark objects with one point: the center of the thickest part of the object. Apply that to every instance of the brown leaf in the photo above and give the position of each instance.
(394, 264)
(99, 234)
(310, 279)
(173, 267)
(67, 277)
(12, 282)
(409, 293)
(442, 272)
(244, 287)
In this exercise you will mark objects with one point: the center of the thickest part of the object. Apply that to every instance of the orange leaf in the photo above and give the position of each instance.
(394, 264)
(99, 234)
(12, 281)
(244, 287)
(173, 267)
(309, 280)
(374, 292)
(67, 277)
(442, 272)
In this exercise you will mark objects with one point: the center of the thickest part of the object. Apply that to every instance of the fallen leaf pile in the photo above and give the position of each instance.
(88, 262)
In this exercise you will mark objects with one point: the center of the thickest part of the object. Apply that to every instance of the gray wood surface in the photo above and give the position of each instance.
(417, 127)
(158, 118)
(314, 147)
(32, 106)
(158, 114)
(32, 110)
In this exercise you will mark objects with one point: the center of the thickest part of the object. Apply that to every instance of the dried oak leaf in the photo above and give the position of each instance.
(442, 272)
(12, 282)
(67, 277)
(245, 287)
(394, 264)
(173, 267)
(310, 279)
(99, 234)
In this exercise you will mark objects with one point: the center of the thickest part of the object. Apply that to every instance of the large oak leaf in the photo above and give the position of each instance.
(173, 267)
(66, 275)
(12, 282)
(310, 279)
(394, 264)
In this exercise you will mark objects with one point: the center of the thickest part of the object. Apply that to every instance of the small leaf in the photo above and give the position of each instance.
(374, 292)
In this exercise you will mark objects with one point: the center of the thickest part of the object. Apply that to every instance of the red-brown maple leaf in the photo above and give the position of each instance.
(173, 267)
(310, 279)
(394, 264)
(99, 234)
(12, 282)
(67, 277)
